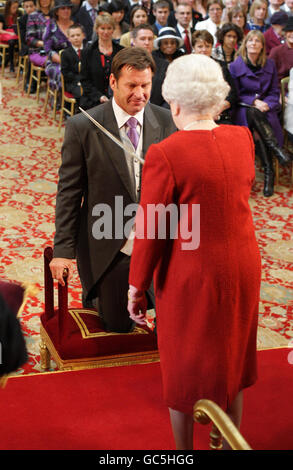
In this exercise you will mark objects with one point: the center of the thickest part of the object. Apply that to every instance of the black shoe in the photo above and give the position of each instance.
(268, 189)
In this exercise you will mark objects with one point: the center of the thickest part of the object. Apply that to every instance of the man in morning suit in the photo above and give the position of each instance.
(96, 173)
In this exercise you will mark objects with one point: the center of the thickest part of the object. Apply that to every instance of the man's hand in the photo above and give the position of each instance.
(60, 266)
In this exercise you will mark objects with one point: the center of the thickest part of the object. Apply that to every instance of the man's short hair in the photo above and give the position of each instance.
(184, 4)
(161, 4)
(136, 57)
(135, 31)
(76, 26)
(34, 1)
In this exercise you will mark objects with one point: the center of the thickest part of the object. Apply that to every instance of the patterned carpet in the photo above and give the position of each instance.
(30, 158)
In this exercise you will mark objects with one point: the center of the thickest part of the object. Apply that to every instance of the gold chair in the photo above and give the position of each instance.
(22, 60)
(65, 98)
(3, 50)
(284, 88)
(36, 75)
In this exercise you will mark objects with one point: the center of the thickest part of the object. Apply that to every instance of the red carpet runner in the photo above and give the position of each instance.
(122, 409)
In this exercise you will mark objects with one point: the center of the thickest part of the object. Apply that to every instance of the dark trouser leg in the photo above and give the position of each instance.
(11, 45)
(258, 121)
(112, 294)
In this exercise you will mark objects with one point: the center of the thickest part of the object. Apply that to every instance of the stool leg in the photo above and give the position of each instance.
(44, 355)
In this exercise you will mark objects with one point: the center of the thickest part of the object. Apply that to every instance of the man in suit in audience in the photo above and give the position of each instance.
(183, 15)
(87, 15)
(161, 12)
(95, 172)
(143, 36)
(71, 61)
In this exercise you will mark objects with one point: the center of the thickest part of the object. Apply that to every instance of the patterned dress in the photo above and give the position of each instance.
(54, 41)
(35, 29)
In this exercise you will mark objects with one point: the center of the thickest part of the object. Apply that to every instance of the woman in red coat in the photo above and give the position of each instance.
(205, 261)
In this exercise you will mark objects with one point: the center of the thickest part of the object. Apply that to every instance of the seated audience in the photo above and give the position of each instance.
(8, 29)
(116, 8)
(283, 55)
(96, 63)
(161, 12)
(167, 45)
(35, 30)
(143, 36)
(258, 13)
(87, 15)
(138, 15)
(202, 43)
(229, 36)
(258, 108)
(56, 39)
(214, 22)
(183, 15)
(274, 35)
(29, 7)
(71, 61)
(238, 16)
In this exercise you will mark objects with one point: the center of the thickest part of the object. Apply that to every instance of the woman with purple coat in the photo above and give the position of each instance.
(55, 40)
(256, 80)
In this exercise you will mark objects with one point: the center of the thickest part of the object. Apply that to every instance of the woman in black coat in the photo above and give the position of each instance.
(96, 63)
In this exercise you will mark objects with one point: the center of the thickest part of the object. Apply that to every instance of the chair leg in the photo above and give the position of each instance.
(61, 115)
(38, 84)
(30, 81)
(46, 99)
(55, 103)
(24, 74)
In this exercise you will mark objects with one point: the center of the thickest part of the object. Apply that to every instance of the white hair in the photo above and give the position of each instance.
(196, 83)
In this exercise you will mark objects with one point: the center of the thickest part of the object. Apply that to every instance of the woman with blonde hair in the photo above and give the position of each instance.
(256, 80)
(207, 274)
(258, 12)
(96, 63)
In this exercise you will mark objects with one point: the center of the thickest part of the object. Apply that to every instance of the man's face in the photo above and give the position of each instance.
(133, 88)
(275, 3)
(215, 13)
(161, 15)
(76, 37)
(29, 7)
(183, 15)
(289, 4)
(93, 3)
(144, 39)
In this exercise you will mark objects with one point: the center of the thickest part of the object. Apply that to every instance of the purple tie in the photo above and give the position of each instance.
(132, 132)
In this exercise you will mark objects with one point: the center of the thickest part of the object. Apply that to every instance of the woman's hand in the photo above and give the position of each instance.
(261, 105)
(56, 58)
(137, 305)
(40, 43)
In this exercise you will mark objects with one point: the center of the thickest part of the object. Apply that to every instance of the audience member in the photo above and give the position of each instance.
(161, 12)
(214, 22)
(196, 15)
(183, 15)
(167, 45)
(238, 16)
(56, 39)
(87, 15)
(258, 13)
(288, 117)
(283, 55)
(96, 63)
(29, 7)
(143, 36)
(273, 7)
(274, 35)
(116, 8)
(71, 61)
(202, 43)
(8, 29)
(228, 6)
(288, 7)
(256, 80)
(138, 15)
(35, 30)
(229, 36)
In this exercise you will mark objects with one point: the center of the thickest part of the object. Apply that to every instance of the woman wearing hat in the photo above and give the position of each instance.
(167, 45)
(55, 39)
(283, 55)
(274, 35)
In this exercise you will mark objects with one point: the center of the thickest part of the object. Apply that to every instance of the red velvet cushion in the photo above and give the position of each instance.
(85, 337)
(68, 95)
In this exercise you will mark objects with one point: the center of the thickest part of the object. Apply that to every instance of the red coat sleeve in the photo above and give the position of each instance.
(158, 191)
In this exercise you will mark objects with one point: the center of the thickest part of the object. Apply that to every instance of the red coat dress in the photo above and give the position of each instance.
(206, 298)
